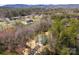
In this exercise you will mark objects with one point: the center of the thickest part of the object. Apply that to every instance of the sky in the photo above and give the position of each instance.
(34, 2)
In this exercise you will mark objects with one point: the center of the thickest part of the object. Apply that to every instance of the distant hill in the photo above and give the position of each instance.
(23, 6)
(40, 6)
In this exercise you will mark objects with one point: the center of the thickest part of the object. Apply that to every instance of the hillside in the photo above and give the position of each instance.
(40, 6)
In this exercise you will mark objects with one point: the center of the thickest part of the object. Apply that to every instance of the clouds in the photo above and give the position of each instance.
(2, 2)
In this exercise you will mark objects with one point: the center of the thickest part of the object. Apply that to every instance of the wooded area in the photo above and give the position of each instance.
(39, 31)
